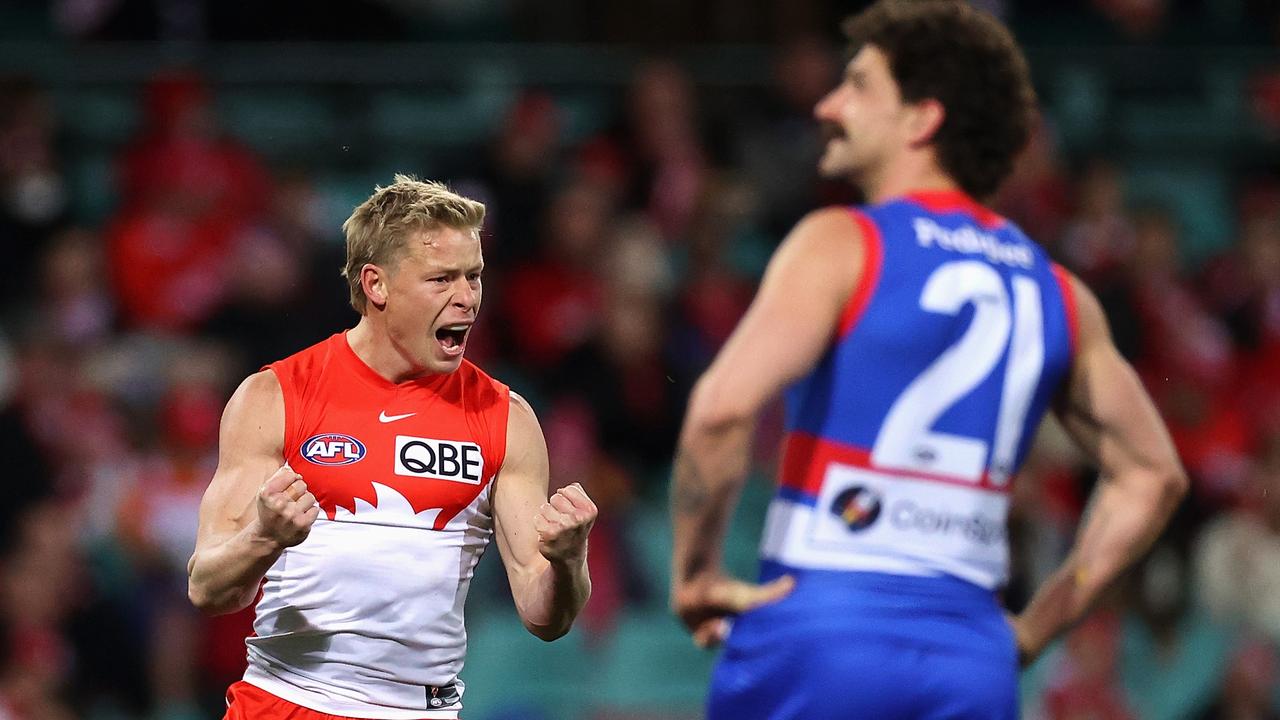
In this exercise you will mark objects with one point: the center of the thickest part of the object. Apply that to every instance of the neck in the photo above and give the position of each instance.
(911, 175)
(373, 345)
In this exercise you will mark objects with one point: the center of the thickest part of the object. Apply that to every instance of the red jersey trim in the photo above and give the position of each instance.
(805, 459)
(872, 264)
(1067, 287)
(942, 201)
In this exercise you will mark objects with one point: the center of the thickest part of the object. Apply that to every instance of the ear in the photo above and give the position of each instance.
(373, 279)
(925, 119)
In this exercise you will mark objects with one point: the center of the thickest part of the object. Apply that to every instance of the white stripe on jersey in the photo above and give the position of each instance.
(865, 520)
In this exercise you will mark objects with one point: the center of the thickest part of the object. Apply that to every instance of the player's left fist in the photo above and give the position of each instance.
(563, 522)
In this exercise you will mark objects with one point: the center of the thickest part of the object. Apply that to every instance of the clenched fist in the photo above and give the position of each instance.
(563, 523)
(285, 509)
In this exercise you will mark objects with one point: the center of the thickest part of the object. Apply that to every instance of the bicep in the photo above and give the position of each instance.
(250, 449)
(792, 319)
(520, 489)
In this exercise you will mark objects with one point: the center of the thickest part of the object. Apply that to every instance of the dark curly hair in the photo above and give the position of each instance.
(969, 62)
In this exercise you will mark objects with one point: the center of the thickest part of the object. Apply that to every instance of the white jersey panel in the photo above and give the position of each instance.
(866, 520)
(363, 618)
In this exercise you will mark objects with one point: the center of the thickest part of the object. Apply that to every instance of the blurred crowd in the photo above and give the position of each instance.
(616, 266)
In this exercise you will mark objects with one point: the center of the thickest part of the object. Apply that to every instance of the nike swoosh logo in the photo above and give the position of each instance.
(384, 417)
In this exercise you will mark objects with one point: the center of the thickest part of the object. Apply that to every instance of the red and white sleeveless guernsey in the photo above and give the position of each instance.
(364, 618)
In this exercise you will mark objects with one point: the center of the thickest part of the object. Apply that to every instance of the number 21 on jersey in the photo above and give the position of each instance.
(1000, 328)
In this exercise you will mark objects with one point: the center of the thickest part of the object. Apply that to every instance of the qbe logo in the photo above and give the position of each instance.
(332, 449)
(857, 507)
(439, 459)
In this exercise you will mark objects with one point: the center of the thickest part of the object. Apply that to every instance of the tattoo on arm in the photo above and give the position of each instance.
(689, 494)
(691, 503)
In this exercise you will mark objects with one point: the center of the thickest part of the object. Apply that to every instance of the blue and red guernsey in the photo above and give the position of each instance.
(903, 442)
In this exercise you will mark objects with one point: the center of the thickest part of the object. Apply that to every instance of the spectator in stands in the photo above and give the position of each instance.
(186, 192)
(551, 305)
(33, 192)
(1237, 554)
(669, 161)
(780, 144)
(517, 178)
(1249, 689)
(278, 293)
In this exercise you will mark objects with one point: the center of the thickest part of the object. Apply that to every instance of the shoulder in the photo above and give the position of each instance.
(825, 241)
(258, 391)
(254, 415)
(1088, 316)
(523, 429)
(830, 226)
(825, 252)
(520, 414)
(526, 446)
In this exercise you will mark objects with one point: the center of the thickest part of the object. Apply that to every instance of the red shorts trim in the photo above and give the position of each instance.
(250, 702)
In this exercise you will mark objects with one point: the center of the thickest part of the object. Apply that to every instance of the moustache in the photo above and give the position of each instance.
(833, 131)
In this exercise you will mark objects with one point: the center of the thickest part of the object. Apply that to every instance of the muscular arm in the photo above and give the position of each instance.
(253, 508)
(543, 542)
(783, 335)
(1111, 417)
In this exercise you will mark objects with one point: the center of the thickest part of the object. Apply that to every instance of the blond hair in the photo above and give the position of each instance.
(378, 227)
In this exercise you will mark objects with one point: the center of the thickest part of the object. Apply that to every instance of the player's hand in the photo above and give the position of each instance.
(1028, 648)
(286, 509)
(563, 522)
(705, 604)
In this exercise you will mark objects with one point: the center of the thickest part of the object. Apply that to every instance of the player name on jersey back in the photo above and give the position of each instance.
(971, 240)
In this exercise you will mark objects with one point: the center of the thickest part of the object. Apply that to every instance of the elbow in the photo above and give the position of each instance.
(548, 633)
(712, 412)
(201, 599)
(210, 603)
(1176, 485)
(558, 622)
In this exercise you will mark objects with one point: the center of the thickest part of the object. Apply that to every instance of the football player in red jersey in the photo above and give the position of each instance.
(360, 480)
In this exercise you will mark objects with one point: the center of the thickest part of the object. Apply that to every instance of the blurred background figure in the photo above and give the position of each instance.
(1088, 686)
(186, 191)
(1249, 686)
(170, 212)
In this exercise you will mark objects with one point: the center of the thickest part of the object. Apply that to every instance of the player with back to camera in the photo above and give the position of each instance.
(360, 480)
(920, 339)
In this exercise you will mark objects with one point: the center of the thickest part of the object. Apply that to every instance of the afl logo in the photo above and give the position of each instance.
(332, 449)
(858, 507)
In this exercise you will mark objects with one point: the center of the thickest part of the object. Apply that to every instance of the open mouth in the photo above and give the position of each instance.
(453, 338)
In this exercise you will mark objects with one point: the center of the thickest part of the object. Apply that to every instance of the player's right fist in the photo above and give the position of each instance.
(285, 509)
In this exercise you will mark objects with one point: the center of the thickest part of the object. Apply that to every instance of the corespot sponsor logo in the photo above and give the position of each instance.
(333, 449)
(857, 507)
(978, 528)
